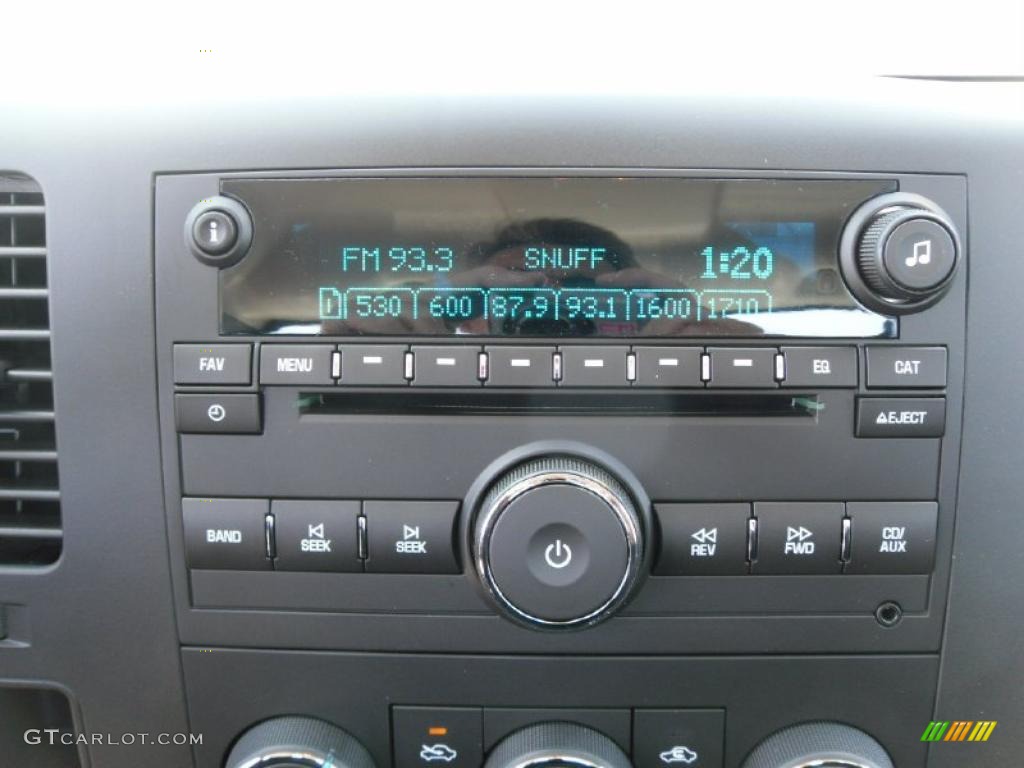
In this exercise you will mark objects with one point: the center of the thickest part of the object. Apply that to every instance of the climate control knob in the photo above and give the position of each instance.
(297, 742)
(557, 745)
(899, 253)
(819, 745)
(558, 543)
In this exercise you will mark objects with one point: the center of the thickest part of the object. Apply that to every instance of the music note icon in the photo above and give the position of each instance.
(922, 253)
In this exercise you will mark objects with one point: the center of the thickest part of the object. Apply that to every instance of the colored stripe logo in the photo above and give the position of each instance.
(959, 730)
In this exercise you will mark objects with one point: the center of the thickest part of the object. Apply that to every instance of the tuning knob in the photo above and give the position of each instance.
(822, 745)
(899, 253)
(297, 742)
(558, 543)
(557, 745)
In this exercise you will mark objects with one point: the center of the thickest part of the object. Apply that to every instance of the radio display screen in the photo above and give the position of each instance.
(546, 257)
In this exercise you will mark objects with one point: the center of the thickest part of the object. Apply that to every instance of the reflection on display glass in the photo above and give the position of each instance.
(544, 257)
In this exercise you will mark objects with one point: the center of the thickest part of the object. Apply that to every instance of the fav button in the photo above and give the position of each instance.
(316, 535)
(451, 737)
(410, 536)
(208, 364)
(687, 738)
(226, 533)
(702, 539)
(892, 537)
(798, 537)
(893, 366)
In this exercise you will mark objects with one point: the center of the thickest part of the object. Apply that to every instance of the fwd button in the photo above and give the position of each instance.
(798, 537)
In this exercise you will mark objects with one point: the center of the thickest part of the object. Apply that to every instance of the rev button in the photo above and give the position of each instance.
(706, 539)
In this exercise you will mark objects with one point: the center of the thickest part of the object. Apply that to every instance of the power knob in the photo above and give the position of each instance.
(899, 253)
(297, 742)
(558, 542)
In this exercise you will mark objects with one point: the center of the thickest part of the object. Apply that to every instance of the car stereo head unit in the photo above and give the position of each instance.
(604, 401)
(546, 257)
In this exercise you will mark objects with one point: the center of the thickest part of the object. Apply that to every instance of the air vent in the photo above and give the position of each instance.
(30, 529)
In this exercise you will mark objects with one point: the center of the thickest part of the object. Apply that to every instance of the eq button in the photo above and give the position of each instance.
(820, 366)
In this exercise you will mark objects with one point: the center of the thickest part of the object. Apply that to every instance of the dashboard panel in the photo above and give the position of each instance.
(378, 448)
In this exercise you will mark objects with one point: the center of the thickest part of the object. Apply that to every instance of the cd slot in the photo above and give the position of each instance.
(510, 403)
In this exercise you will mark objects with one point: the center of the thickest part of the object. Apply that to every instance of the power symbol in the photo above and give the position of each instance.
(558, 555)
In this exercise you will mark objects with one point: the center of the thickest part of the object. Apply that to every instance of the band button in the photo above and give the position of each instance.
(226, 533)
